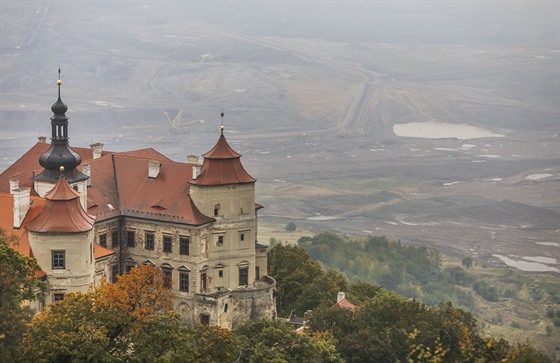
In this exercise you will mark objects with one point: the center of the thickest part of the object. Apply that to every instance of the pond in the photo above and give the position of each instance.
(527, 265)
(441, 130)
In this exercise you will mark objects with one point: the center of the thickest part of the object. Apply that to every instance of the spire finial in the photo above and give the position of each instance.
(222, 125)
(59, 81)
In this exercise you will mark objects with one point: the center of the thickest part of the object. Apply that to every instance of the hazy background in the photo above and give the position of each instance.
(312, 92)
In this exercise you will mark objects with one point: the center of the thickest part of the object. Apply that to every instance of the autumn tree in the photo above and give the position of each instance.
(18, 283)
(68, 331)
(101, 322)
(138, 295)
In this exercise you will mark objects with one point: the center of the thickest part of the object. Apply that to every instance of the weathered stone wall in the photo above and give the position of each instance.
(79, 270)
(221, 255)
(253, 304)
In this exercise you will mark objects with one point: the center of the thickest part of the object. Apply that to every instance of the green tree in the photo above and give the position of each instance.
(165, 339)
(467, 262)
(18, 283)
(293, 270)
(387, 328)
(291, 227)
(276, 341)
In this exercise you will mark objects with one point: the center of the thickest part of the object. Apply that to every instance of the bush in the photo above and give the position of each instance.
(291, 227)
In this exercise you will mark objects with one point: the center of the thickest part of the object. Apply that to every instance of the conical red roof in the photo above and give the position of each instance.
(62, 213)
(221, 150)
(222, 166)
(62, 191)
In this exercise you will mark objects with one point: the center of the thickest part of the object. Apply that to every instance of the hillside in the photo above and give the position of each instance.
(354, 114)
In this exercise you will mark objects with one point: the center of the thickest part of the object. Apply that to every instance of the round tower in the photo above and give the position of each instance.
(222, 189)
(61, 238)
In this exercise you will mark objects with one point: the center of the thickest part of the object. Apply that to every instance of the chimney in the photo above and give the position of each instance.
(42, 139)
(196, 167)
(86, 169)
(340, 296)
(21, 205)
(14, 184)
(97, 149)
(153, 168)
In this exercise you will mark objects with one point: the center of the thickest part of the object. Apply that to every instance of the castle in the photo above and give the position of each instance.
(88, 214)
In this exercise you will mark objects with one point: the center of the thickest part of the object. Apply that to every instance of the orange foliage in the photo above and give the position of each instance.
(138, 294)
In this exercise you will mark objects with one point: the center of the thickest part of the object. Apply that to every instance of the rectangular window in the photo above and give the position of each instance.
(184, 246)
(103, 240)
(220, 240)
(130, 238)
(203, 281)
(58, 296)
(204, 319)
(184, 281)
(257, 272)
(167, 277)
(167, 246)
(220, 273)
(58, 260)
(242, 236)
(114, 273)
(243, 276)
(129, 266)
(149, 241)
(115, 238)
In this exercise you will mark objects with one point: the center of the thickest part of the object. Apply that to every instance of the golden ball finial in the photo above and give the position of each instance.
(62, 168)
(59, 82)
(222, 127)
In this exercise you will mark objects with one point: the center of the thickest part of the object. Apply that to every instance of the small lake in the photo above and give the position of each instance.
(441, 130)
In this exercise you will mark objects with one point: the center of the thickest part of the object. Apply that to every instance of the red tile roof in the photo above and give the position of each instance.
(28, 164)
(101, 252)
(222, 166)
(62, 212)
(344, 304)
(22, 236)
(148, 153)
(120, 186)
(221, 150)
(7, 220)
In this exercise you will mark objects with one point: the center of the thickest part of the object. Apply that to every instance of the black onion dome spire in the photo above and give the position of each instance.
(60, 158)
(59, 108)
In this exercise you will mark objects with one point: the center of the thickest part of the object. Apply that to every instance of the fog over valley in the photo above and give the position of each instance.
(436, 123)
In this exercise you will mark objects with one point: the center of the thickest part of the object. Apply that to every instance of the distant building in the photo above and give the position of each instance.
(87, 214)
(342, 302)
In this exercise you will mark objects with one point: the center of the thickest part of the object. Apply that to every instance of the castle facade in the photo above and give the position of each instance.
(88, 214)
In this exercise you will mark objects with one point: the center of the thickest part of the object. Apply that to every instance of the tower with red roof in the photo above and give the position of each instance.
(62, 233)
